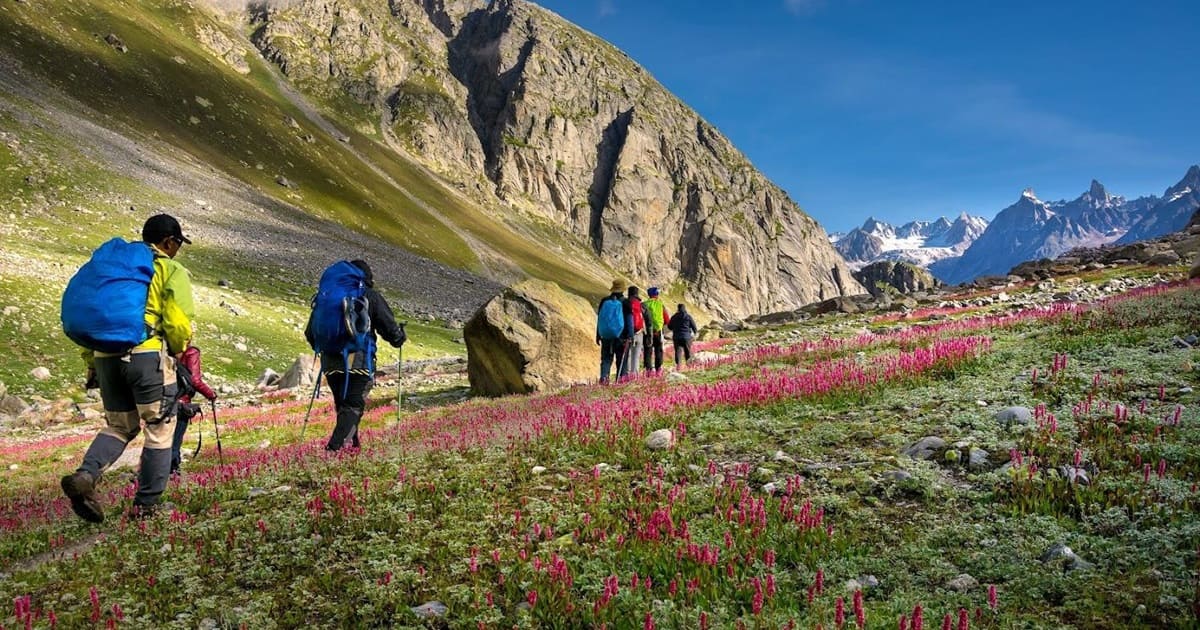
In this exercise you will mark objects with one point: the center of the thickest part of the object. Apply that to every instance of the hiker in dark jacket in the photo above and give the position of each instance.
(683, 330)
(190, 361)
(613, 344)
(351, 404)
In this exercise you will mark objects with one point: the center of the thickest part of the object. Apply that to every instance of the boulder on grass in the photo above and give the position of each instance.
(303, 373)
(532, 337)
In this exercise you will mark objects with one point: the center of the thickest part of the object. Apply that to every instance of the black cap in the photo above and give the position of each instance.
(161, 226)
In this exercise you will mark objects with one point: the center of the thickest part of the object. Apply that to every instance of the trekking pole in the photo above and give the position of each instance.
(399, 382)
(217, 430)
(200, 434)
(312, 400)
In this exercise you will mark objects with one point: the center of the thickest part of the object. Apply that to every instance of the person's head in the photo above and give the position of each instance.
(681, 308)
(633, 292)
(618, 286)
(164, 232)
(366, 269)
(652, 292)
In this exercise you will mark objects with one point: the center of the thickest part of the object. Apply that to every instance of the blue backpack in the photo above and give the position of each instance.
(104, 306)
(341, 323)
(611, 321)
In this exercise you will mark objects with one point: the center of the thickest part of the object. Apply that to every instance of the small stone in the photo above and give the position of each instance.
(770, 488)
(223, 283)
(11, 310)
(1185, 390)
(240, 347)
(40, 373)
(925, 448)
(1014, 415)
(1075, 475)
(981, 403)
(782, 457)
(962, 583)
(677, 377)
(256, 492)
(269, 378)
(13, 466)
(977, 459)
(263, 445)
(660, 440)
(898, 475)
(430, 610)
(537, 470)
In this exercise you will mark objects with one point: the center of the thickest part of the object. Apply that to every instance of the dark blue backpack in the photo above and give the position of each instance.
(611, 321)
(104, 306)
(341, 323)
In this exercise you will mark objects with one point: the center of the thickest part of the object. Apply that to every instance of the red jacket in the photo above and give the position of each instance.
(190, 361)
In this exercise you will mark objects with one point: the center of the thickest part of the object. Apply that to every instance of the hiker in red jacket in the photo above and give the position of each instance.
(190, 361)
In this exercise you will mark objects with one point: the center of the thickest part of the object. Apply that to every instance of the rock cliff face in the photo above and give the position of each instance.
(531, 114)
(902, 276)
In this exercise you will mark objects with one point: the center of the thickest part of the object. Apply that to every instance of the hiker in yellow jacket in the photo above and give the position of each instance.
(652, 345)
(138, 385)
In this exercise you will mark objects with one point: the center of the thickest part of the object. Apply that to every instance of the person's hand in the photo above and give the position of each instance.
(597, 341)
(212, 398)
(90, 381)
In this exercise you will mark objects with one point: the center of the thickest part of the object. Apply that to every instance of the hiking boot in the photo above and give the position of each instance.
(80, 488)
(140, 512)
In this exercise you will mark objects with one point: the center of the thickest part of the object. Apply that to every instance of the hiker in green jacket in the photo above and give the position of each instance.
(656, 320)
(137, 386)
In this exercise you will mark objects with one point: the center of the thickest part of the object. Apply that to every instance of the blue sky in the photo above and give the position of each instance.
(914, 109)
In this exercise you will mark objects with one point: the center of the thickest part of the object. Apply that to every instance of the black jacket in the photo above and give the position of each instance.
(383, 324)
(682, 326)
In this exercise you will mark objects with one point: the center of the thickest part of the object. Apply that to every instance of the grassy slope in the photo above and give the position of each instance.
(427, 510)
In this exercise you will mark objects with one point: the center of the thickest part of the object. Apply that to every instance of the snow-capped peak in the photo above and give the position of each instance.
(1029, 194)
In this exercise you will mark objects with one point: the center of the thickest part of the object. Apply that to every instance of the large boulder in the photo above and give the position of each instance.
(303, 373)
(532, 337)
(881, 278)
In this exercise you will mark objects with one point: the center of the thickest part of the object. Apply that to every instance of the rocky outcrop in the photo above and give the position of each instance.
(886, 276)
(526, 110)
(532, 337)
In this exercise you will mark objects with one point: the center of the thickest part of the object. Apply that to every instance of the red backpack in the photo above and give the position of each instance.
(639, 323)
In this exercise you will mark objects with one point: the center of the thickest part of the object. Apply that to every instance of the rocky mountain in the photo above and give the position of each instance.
(888, 276)
(1172, 212)
(919, 242)
(515, 105)
(1032, 229)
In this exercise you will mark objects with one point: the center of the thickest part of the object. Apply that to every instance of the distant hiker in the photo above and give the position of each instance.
(131, 307)
(683, 330)
(611, 328)
(189, 361)
(637, 314)
(652, 341)
(347, 295)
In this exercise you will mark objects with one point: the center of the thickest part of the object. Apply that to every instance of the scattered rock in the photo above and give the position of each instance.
(256, 492)
(91, 414)
(430, 610)
(285, 182)
(898, 475)
(1180, 343)
(11, 310)
(962, 583)
(925, 448)
(116, 42)
(269, 378)
(537, 470)
(1014, 415)
(40, 373)
(862, 583)
(1075, 475)
(303, 373)
(782, 457)
(224, 283)
(677, 377)
(3, 389)
(770, 487)
(240, 347)
(13, 406)
(977, 459)
(1062, 555)
(660, 440)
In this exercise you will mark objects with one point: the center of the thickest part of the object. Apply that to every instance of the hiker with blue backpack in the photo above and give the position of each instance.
(130, 308)
(614, 328)
(347, 315)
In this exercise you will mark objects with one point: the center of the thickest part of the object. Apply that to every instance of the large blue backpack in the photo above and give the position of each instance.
(341, 323)
(104, 305)
(611, 321)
